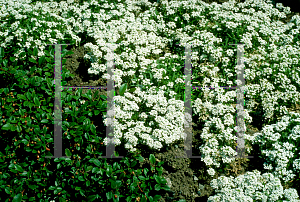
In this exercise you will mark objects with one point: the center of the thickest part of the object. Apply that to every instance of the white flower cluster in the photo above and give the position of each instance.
(266, 80)
(252, 186)
(166, 114)
(279, 144)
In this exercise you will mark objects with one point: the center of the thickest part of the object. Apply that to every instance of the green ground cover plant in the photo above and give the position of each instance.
(149, 110)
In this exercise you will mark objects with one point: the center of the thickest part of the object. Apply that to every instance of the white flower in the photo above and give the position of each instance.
(211, 172)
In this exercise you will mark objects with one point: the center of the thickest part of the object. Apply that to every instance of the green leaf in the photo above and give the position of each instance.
(58, 166)
(152, 159)
(64, 61)
(145, 171)
(163, 181)
(5, 63)
(12, 59)
(32, 60)
(35, 51)
(167, 188)
(13, 129)
(143, 199)
(17, 198)
(68, 152)
(143, 185)
(142, 178)
(156, 197)
(81, 178)
(25, 104)
(89, 168)
(157, 179)
(19, 168)
(28, 94)
(87, 95)
(123, 89)
(7, 190)
(52, 188)
(103, 106)
(132, 187)
(108, 171)
(112, 184)
(6, 90)
(69, 53)
(91, 197)
(69, 97)
(6, 126)
(118, 183)
(109, 195)
(1, 52)
(62, 199)
(36, 101)
(44, 121)
(81, 192)
(132, 90)
(68, 160)
(141, 159)
(96, 162)
(133, 163)
(77, 188)
(21, 96)
(41, 60)
(157, 187)
(103, 97)
(95, 170)
(93, 128)
(81, 119)
(96, 112)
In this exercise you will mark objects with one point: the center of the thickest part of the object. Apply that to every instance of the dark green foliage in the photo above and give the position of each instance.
(27, 137)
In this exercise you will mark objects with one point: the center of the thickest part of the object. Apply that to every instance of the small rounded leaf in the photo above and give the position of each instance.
(93, 128)
(157, 187)
(152, 159)
(6, 126)
(123, 89)
(17, 198)
(68, 152)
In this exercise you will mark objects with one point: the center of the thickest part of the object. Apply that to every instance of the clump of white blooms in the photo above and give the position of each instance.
(279, 147)
(252, 186)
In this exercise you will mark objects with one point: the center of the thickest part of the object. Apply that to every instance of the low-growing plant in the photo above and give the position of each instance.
(279, 145)
(119, 181)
